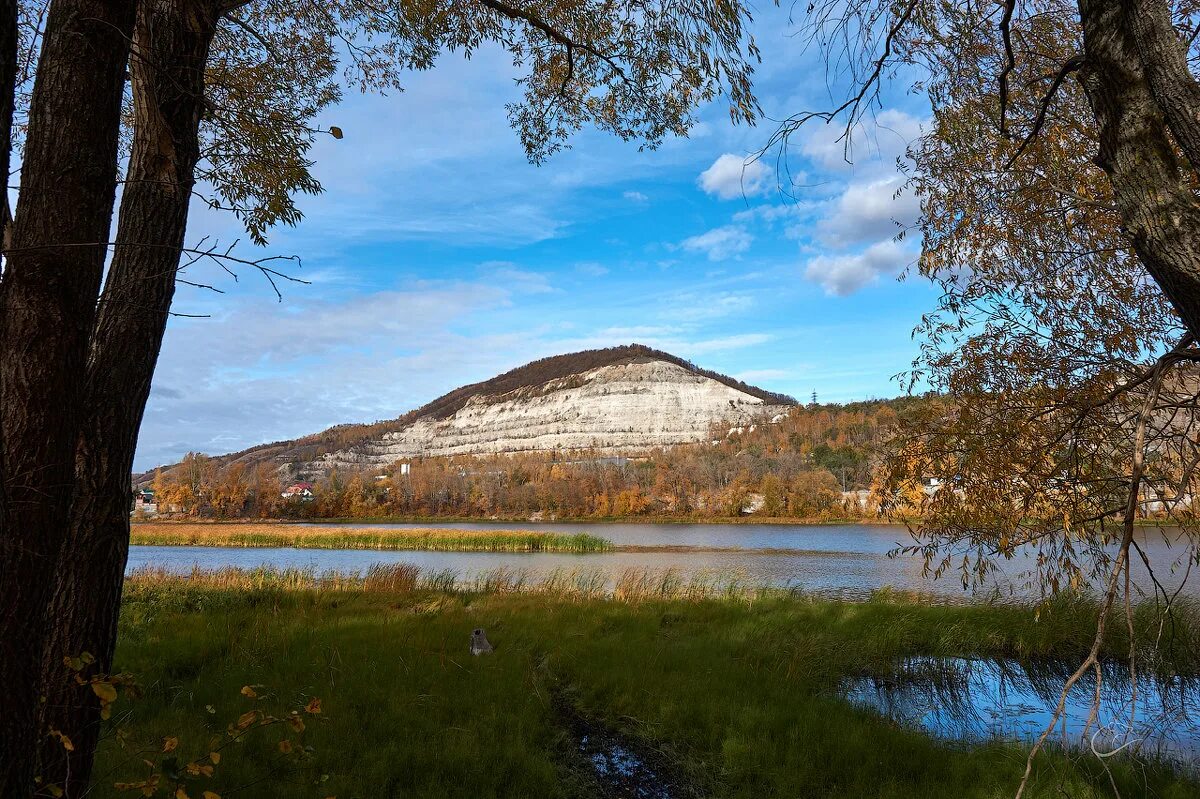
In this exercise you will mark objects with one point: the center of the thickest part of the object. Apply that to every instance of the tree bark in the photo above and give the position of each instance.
(1163, 57)
(48, 297)
(8, 84)
(1159, 211)
(170, 49)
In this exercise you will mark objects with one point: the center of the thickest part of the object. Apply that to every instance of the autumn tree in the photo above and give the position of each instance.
(1058, 187)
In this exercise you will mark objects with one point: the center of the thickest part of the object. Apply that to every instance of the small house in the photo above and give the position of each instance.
(144, 501)
(298, 491)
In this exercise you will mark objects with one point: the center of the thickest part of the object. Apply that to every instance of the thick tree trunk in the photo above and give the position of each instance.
(1163, 57)
(48, 298)
(171, 42)
(1158, 208)
(8, 85)
(8, 81)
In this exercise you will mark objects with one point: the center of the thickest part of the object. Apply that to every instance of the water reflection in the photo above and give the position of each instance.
(974, 700)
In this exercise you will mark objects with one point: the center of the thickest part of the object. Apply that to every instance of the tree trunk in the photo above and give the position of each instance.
(8, 85)
(1163, 56)
(8, 82)
(171, 43)
(48, 299)
(1159, 211)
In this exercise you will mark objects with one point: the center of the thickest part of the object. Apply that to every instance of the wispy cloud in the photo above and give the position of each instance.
(720, 243)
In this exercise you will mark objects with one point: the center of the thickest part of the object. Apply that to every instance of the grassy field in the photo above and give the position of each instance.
(284, 535)
(735, 695)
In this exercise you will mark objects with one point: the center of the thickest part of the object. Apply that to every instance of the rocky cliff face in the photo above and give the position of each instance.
(620, 408)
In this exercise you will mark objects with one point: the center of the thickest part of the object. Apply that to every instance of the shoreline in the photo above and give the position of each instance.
(639, 520)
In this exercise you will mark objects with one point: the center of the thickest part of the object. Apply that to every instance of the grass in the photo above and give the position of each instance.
(736, 687)
(283, 535)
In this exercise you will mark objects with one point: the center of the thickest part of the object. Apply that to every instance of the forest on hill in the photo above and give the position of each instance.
(814, 461)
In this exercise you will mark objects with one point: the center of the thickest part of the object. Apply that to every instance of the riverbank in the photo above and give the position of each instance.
(301, 537)
(730, 696)
(816, 521)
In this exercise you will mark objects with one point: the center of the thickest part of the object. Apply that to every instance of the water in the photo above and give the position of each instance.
(975, 700)
(845, 561)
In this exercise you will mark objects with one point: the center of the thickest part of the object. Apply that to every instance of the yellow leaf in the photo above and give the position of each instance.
(313, 706)
(180, 793)
(246, 719)
(249, 692)
(211, 795)
(54, 790)
(66, 742)
(215, 757)
(105, 691)
(296, 723)
(170, 743)
(285, 746)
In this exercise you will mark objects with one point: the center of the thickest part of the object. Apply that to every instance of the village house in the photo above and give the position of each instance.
(144, 501)
(298, 491)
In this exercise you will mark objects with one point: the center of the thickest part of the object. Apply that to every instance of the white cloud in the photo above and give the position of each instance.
(635, 197)
(882, 138)
(734, 342)
(841, 275)
(869, 212)
(509, 276)
(720, 243)
(591, 269)
(692, 307)
(733, 176)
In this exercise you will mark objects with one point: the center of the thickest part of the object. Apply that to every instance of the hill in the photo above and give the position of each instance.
(628, 398)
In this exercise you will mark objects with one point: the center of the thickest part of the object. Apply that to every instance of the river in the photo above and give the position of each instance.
(849, 561)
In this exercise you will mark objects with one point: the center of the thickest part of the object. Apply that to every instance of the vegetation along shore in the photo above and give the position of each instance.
(281, 535)
(304, 684)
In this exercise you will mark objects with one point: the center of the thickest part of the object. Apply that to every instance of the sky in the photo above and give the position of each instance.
(438, 256)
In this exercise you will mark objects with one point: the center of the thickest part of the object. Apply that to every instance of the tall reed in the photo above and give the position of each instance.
(631, 585)
(413, 539)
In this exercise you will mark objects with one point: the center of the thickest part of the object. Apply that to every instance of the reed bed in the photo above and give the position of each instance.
(629, 585)
(411, 539)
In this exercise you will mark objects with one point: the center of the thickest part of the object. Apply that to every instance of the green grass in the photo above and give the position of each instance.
(283, 535)
(741, 693)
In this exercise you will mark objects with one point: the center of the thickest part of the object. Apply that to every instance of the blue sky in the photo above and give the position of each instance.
(439, 256)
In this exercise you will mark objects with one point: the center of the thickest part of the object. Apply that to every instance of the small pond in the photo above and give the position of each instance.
(976, 700)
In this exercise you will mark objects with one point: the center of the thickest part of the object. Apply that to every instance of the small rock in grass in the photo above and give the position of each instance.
(479, 642)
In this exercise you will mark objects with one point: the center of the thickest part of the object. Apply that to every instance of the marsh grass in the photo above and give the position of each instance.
(629, 585)
(738, 687)
(441, 540)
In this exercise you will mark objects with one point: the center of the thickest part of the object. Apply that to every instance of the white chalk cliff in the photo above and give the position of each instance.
(621, 408)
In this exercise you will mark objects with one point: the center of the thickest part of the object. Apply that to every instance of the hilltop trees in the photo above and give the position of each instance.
(223, 95)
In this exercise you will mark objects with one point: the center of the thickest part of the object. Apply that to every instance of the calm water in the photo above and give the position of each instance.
(848, 561)
(973, 700)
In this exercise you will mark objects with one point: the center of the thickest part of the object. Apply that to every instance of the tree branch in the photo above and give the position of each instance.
(1072, 64)
(554, 34)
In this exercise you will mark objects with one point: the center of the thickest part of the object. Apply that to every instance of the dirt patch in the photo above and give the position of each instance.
(613, 765)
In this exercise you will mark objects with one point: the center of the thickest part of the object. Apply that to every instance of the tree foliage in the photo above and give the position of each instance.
(1058, 194)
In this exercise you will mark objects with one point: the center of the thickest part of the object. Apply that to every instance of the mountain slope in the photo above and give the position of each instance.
(618, 399)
